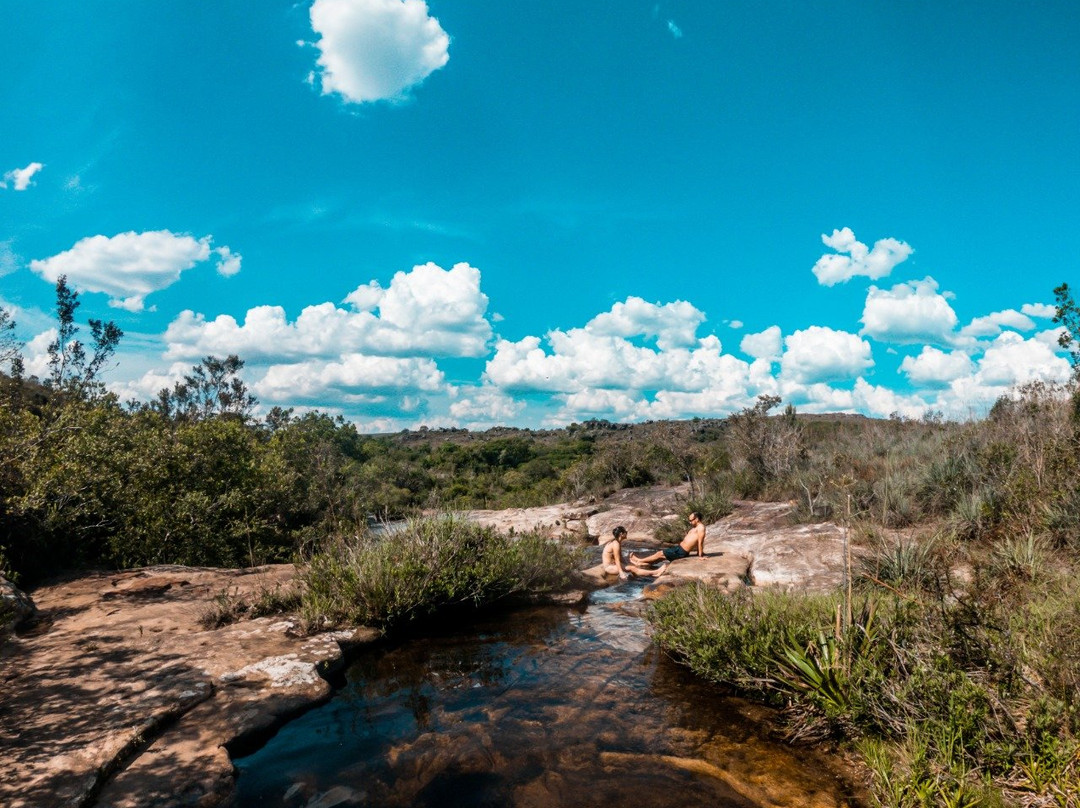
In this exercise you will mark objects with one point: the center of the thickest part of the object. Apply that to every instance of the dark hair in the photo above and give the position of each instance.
(619, 531)
(695, 514)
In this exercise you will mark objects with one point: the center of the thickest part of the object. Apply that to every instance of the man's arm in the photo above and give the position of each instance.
(701, 542)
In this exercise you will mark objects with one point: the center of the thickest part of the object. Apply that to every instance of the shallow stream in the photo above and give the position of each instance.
(544, 707)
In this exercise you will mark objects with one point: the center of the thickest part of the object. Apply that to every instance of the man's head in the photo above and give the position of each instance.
(619, 532)
(694, 517)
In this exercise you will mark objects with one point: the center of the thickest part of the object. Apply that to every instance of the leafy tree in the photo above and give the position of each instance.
(1068, 315)
(768, 448)
(213, 388)
(69, 370)
(10, 348)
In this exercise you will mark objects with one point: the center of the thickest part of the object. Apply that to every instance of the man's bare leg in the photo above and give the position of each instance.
(641, 572)
(649, 559)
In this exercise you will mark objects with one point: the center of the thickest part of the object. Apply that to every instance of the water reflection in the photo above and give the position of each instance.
(544, 707)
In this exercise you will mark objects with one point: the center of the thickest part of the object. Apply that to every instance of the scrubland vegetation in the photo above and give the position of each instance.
(953, 666)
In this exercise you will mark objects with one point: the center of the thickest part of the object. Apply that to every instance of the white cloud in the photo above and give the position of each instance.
(485, 406)
(36, 353)
(674, 325)
(228, 262)
(148, 385)
(581, 360)
(1009, 361)
(882, 402)
(909, 313)
(731, 389)
(372, 50)
(21, 178)
(992, 324)
(763, 345)
(128, 266)
(853, 258)
(821, 354)
(355, 379)
(934, 368)
(675, 30)
(1012, 360)
(736, 324)
(428, 311)
(614, 405)
(1050, 338)
(1043, 311)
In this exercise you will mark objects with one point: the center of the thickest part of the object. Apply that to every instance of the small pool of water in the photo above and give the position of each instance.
(541, 707)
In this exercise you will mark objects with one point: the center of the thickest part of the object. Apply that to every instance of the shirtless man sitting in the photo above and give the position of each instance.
(694, 539)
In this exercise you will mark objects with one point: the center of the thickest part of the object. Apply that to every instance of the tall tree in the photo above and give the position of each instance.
(213, 388)
(10, 347)
(69, 370)
(1068, 315)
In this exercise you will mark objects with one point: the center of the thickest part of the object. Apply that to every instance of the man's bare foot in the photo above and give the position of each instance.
(662, 570)
(634, 558)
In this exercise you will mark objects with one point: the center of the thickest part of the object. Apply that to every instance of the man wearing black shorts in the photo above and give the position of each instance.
(693, 540)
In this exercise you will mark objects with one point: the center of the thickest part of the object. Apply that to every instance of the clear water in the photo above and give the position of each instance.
(543, 707)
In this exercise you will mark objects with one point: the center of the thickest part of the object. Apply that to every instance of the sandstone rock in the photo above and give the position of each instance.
(639, 510)
(16, 607)
(807, 557)
(127, 681)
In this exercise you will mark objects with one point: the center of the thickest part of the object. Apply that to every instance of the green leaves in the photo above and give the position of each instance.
(428, 566)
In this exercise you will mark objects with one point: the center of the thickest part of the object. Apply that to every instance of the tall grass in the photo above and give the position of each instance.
(952, 700)
(429, 566)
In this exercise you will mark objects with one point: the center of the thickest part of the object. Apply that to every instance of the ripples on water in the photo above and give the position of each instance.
(543, 707)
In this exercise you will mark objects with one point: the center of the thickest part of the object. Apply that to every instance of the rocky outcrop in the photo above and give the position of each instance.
(782, 553)
(16, 607)
(639, 510)
(120, 658)
(757, 545)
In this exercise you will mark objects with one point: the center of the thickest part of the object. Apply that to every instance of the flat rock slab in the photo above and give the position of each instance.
(758, 545)
(120, 659)
(639, 510)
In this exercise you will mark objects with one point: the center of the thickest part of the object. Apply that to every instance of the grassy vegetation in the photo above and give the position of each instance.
(429, 566)
(229, 606)
(955, 670)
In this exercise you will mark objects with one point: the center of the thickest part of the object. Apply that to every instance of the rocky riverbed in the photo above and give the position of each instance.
(118, 695)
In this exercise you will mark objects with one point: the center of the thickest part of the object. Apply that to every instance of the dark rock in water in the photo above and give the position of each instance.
(16, 607)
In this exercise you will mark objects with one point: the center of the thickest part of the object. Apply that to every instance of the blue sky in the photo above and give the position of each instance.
(478, 213)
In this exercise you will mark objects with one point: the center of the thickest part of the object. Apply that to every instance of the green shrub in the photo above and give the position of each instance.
(951, 702)
(737, 639)
(902, 564)
(428, 566)
(1025, 557)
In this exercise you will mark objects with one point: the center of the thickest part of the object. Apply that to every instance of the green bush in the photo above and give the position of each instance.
(737, 639)
(428, 566)
(903, 564)
(969, 701)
